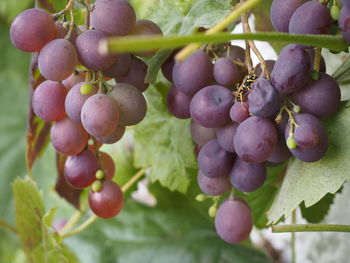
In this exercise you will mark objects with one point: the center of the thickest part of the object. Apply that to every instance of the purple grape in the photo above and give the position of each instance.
(75, 101)
(61, 32)
(87, 48)
(292, 69)
(108, 165)
(115, 136)
(235, 53)
(194, 73)
(48, 101)
(344, 23)
(214, 161)
(213, 186)
(239, 111)
(168, 66)
(281, 12)
(312, 17)
(264, 100)
(225, 135)
(68, 137)
(319, 97)
(247, 177)
(226, 72)
(281, 152)
(270, 65)
(58, 59)
(131, 103)
(136, 75)
(75, 78)
(210, 107)
(233, 221)
(32, 29)
(178, 103)
(255, 139)
(200, 134)
(100, 115)
(120, 67)
(346, 4)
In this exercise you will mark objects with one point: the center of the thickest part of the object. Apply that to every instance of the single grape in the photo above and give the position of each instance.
(113, 17)
(210, 107)
(255, 139)
(75, 78)
(214, 161)
(120, 67)
(61, 32)
(200, 134)
(264, 100)
(270, 65)
(48, 101)
(113, 137)
(80, 170)
(178, 103)
(319, 97)
(281, 12)
(108, 202)
(292, 69)
(68, 137)
(58, 59)
(235, 53)
(213, 186)
(247, 177)
(32, 29)
(108, 165)
(281, 152)
(100, 115)
(312, 17)
(344, 23)
(87, 49)
(225, 135)
(194, 73)
(233, 220)
(168, 66)
(131, 103)
(226, 72)
(346, 4)
(136, 75)
(239, 111)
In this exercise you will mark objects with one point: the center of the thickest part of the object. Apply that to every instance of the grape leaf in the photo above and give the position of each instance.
(309, 182)
(342, 74)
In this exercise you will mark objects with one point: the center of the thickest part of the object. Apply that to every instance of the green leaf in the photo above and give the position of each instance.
(317, 212)
(155, 63)
(342, 74)
(309, 182)
(163, 143)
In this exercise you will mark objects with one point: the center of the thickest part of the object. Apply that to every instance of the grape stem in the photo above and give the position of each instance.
(317, 61)
(71, 222)
(68, 7)
(93, 218)
(294, 220)
(87, 14)
(7, 226)
(248, 59)
(71, 26)
(310, 228)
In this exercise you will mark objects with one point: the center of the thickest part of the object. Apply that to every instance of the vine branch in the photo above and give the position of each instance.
(310, 228)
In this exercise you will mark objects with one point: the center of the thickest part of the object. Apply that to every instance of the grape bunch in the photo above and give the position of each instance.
(245, 120)
(87, 111)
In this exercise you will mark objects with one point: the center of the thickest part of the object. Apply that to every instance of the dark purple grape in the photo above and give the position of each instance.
(58, 59)
(226, 72)
(247, 177)
(194, 73)
(210, 107)
(281, 152)
(225, 135)
(270, 65)
(201, 135)
(178, 103)
(113, 137)
(48, 101)
(75, 78)
(68, 137)
(255, 139)
(61, 32)
(75, 101)
(312, 17)
(120, 67)
(80, 170)
(87, 48)
(136, 75)
(344, 23)
(233, 221)
(346, 4)
(108, 165)
(319, 134)
(32, 29)
(108, 202)
(319, 97)
(113, 17)
(131, 103)
(100, 115)
(264, 100)
(168, 66)
(235, 53)
(292, 69)
(281, 11)
(214, 161)
(213, 186)
(239, 111)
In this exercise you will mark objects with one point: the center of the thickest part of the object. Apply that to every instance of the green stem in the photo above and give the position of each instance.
(138, 43)
(7, 226)
(71, 222)
(310, 228)
(294, 219)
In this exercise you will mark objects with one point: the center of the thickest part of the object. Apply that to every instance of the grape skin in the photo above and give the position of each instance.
(61, 32)
(168, 66)
(270, 65)
(344, 22)
(346, 4)
(281, 152)
(226, 72)
(32, 29)
(113, 137)
(225, 135)
(75, 78)
(178, 103)
(108, 202)
(200, 134)
(213, 186)
(120, 67)
(235, 53)
(108, 165)
(239, 111)
(136, 75)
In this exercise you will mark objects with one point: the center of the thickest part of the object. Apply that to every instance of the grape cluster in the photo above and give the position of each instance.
(87, 111)
(243, 121)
